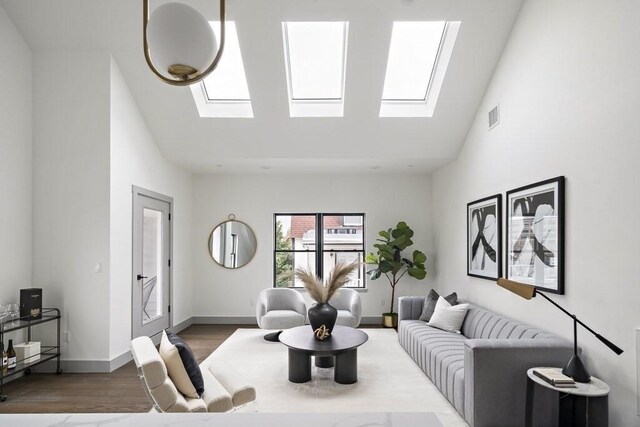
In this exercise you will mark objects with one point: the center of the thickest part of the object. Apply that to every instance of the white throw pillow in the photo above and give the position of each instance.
(448, 317)
(175, 368)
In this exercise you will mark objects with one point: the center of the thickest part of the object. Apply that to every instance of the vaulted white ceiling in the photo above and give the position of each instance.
(357, 142)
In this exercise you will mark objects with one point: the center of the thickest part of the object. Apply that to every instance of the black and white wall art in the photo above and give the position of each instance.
(484, 238)
(535, 235)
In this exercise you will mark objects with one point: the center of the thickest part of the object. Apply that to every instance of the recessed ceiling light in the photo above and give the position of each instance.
(265, 167)
(409, 166)
(375, 167)
(219, 166)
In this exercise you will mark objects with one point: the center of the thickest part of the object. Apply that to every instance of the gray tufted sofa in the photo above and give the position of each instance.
(482, 371)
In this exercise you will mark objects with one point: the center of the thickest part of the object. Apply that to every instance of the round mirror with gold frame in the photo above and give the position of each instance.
(232, 243)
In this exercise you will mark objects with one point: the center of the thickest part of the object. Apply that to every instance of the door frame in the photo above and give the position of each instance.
(139, 191)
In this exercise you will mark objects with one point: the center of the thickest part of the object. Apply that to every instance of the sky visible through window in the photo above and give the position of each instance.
(316, 55)
(228, 81)
(412, 57)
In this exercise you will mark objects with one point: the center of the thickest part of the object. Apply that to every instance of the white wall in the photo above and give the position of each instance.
(386, 199)
(71, 194)
(136, 160)
(568, 85)
(16, 144)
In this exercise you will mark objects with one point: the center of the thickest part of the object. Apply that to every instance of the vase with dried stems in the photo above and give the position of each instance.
(323, 315)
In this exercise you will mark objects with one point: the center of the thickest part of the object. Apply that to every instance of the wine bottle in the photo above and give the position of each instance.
(4, 358)
(11, 356)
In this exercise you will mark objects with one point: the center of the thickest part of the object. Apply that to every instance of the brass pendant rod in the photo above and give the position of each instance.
(200, 76)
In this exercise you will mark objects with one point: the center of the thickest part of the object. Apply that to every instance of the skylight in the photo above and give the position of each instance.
(315, 62)
(418, 58)
(224, 92)
(412, 54)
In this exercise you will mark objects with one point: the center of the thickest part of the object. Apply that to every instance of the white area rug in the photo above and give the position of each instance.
(388, 379)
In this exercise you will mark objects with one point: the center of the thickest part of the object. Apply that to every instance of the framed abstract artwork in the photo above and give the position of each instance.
(484, 238)
(535, 235)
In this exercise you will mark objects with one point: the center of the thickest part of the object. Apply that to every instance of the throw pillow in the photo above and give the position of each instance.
(448, 317)
(430, 304)
(181, 365)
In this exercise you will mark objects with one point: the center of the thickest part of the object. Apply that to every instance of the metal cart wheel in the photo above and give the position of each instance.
(27, 371)
(59, 372)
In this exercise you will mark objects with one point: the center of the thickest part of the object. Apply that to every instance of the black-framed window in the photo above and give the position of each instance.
(317, 242)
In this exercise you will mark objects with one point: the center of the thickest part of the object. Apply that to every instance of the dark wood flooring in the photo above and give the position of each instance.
(118, 391)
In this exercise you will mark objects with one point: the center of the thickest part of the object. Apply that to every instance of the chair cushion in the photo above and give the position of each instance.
(233, 381)
(281, 319)
(215, 396)
(149, 361)
(181, 365)
(345, 318)
(165, 395)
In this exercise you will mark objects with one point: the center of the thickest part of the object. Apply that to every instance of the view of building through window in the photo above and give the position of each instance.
(298, 244)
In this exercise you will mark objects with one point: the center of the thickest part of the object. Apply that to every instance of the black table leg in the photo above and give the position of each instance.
(346, 371)
(324, 361)
(528, 411)
(299, 366)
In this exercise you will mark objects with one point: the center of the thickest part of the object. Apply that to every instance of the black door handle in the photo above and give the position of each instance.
(140, 277)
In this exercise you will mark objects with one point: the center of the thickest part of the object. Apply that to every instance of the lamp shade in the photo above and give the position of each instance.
(521, 289)
(178, 35)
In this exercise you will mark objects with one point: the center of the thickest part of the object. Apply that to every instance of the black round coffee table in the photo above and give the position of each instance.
(341, 346)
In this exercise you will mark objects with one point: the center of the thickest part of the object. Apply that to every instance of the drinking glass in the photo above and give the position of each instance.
(14, 311)
(4, 312)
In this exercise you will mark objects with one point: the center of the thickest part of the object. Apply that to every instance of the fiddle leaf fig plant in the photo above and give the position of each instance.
(391, 260)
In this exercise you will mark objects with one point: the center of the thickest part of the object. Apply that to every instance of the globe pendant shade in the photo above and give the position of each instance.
(178, 35)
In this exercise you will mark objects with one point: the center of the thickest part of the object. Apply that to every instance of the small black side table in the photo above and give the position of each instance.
(585, 405)
(342, 345)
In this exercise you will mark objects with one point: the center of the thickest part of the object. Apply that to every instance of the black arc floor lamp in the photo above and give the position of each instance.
(574, 368)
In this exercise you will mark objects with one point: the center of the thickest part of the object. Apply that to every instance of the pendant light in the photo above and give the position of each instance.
(179, 44)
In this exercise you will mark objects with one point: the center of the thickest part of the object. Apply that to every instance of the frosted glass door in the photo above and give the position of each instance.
(151, 263)
(152, 257)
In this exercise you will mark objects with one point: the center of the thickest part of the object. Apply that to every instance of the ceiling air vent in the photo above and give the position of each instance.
(494, 117)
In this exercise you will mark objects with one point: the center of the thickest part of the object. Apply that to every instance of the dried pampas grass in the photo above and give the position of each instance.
(320, 292)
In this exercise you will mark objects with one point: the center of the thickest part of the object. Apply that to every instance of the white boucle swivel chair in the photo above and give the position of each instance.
(280, 308)
(224, 388)
(347, 302)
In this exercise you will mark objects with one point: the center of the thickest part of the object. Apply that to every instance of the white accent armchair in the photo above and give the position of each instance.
(349, 306)
(280, 308)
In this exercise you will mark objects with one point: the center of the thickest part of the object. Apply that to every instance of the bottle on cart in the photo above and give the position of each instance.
(4, 358)
(11, 356)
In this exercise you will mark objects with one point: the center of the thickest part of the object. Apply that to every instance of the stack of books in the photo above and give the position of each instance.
(554, 377)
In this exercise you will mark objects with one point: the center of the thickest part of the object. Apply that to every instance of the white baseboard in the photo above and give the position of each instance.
(224, 320)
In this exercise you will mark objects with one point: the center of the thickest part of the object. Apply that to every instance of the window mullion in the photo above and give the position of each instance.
(319, 245)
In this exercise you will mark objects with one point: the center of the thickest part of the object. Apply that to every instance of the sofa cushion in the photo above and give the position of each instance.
(181, 365)
(482, 323)
(439, 354)
(430, 303)
(281, 319)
